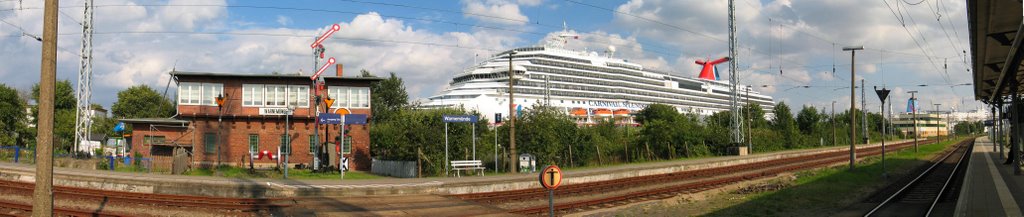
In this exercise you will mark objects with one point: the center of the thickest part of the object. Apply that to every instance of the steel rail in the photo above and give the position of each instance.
(915, 181)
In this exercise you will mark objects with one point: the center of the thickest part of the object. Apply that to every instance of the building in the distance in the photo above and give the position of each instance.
(252, 120)
(928, 124)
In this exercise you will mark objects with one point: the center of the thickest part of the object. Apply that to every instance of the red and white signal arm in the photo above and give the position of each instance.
(551, 177)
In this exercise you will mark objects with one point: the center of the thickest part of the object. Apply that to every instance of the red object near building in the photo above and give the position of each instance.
(252, 120)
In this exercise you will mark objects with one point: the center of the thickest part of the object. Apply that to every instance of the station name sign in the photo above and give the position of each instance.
(459, 118)
(275, 111)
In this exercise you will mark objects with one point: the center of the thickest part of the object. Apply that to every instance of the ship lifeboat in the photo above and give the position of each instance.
(621, 112)
(602, 112)
(578, 112)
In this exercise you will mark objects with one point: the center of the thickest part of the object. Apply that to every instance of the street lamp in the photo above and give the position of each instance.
(913, 105)
(937, 120)
(853, 101)
(287, 139)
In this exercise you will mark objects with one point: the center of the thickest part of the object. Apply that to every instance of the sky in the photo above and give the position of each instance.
(788, 49)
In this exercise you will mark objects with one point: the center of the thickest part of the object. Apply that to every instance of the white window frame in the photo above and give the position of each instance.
(252, 95)
(340, 94)
(185, 90)
(272, 94)
(210, 92)
(298, 95)
(361, 97)
(195, 93)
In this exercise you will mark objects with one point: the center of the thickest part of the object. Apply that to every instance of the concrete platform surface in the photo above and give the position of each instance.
(989, 188)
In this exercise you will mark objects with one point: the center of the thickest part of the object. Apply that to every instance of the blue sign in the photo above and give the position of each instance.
(329, 118)
(359, 119)
(119, 128)
(459, 118)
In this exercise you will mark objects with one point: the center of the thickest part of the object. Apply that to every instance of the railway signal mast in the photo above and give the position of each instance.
(318, 53)
(83, 95)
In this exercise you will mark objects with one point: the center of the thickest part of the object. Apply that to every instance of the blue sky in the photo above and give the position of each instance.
(426, 42)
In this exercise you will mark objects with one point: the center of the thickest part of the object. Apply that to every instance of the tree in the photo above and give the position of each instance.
(64, 114)
(807, 118)
(388, 97)
(784, 124)
(12, 115)
(141, 101)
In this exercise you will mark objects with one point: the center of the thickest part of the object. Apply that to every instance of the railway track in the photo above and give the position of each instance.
(108, 198)
(923, 195)
(635, 189)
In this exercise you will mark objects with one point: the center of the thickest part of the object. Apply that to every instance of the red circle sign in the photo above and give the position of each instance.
(551, 177)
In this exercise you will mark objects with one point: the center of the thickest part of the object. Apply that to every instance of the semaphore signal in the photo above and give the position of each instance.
(333, 29)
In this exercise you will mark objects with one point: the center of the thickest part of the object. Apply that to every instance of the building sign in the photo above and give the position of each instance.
(459, 118)
(359, 119)
(275, 111)
(329, 118)
(617, 104)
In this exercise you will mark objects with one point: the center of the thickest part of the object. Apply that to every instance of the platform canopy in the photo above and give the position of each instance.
(996, 47)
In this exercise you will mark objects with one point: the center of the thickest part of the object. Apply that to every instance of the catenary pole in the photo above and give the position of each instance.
(511, 118)
(42, 196)
(853, 102)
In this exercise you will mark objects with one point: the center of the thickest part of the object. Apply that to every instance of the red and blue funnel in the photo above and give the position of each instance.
(709, 70)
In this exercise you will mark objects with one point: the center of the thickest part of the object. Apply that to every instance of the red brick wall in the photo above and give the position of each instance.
(234, 123)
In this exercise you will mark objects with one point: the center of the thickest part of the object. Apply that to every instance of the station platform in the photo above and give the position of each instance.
(268, 188)
(989, 188)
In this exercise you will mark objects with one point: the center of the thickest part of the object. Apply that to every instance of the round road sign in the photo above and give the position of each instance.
(551, 177)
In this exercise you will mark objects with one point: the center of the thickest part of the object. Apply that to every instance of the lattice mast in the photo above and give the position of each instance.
(737, 124)
(83, 94)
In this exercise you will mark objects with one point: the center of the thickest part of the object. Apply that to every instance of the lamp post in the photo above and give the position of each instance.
(853, 102)
(937, 120)
(913, 106)
(511, 117)
(287, 139)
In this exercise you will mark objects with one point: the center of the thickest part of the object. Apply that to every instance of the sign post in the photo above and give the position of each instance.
(457, 119)
(882, 94)
(551, 178)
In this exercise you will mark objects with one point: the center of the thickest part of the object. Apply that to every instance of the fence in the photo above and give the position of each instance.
(17, 153)
(400, 169)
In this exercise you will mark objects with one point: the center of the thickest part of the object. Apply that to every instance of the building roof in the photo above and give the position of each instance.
(153, 121)
(996, 39)
(177, 74)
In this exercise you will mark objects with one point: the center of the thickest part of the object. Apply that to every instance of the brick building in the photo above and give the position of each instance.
(252, 119)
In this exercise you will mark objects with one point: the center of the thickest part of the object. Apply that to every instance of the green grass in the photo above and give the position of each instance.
(235, 172)
(820, 192)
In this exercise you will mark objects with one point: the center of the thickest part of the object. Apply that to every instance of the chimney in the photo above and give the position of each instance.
(339, 69)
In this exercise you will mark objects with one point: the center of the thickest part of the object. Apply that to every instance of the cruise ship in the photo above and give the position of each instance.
(587, 85)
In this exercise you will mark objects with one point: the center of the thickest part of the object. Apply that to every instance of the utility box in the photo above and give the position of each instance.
(742, 151)
(527, 163)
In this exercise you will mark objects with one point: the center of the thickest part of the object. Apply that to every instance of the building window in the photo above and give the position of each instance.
(189, 93)
(210, 92)
(340, 96)
(152, 140)
(254, 143)
(346, 147)
(298, 95)
(312, 144)
(275, 95)
(362, 97)
(252, 95)
(285, 144)
(210, 142)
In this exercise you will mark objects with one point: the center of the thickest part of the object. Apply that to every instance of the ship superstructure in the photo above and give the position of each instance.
(587, 85)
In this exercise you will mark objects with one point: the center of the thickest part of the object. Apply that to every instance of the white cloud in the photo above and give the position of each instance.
(499, 12)
(283, 20)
